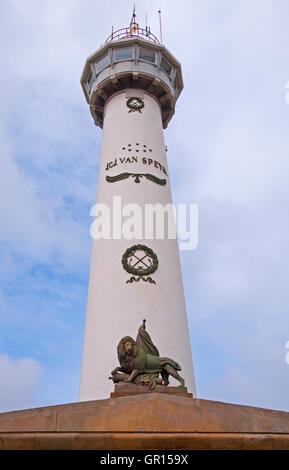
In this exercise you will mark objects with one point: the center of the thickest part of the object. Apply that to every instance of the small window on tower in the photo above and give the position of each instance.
(102, 63)
(147, 55)
(166, 67)
(124, 53)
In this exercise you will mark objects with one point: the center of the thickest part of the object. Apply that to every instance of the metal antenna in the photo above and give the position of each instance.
(132, 21)
(161, 33)
(133, 25)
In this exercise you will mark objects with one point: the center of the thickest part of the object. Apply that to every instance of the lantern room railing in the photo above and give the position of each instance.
(131, 32)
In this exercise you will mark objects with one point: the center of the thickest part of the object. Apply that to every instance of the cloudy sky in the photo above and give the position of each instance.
(228, 152)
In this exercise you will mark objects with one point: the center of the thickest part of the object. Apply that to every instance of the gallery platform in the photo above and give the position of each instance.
(146, 422)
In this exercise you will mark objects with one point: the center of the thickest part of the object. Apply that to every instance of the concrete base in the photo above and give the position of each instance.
(145, 421)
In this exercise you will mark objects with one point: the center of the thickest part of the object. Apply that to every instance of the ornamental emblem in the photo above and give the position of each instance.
(135, 104)
(136, 176)
(140, 261)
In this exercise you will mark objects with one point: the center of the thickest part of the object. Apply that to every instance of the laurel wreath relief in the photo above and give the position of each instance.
(140, 261)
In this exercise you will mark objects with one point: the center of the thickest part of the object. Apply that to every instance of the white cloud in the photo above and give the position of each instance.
(19, 379)
(28, 221)
(262, 387)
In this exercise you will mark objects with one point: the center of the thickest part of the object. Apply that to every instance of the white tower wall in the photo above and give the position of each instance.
(116, 308)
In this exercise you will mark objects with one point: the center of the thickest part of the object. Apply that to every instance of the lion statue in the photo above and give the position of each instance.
(141, 363)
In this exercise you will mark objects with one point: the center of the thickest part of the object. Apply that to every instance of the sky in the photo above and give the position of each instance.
(228, 152)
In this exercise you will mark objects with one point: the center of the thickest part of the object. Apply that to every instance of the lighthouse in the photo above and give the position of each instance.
(131, 85)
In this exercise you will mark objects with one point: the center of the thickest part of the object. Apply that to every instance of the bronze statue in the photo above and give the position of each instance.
(141, 362)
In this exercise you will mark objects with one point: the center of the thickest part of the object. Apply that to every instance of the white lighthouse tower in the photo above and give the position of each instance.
(131, 85)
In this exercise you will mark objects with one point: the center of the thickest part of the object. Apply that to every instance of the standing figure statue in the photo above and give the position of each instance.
(140, 362)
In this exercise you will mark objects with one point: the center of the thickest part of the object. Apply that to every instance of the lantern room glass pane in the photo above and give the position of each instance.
(176, 86)
(102, 63)
(147, 54)
(124, 53)
(90, 80)
(166, 67)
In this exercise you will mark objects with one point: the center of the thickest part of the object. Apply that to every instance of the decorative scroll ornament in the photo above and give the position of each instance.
(140, 261)
(137, 176)
(135, 104)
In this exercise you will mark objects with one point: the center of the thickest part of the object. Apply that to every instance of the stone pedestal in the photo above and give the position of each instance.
(145, 421)
(123, 389)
